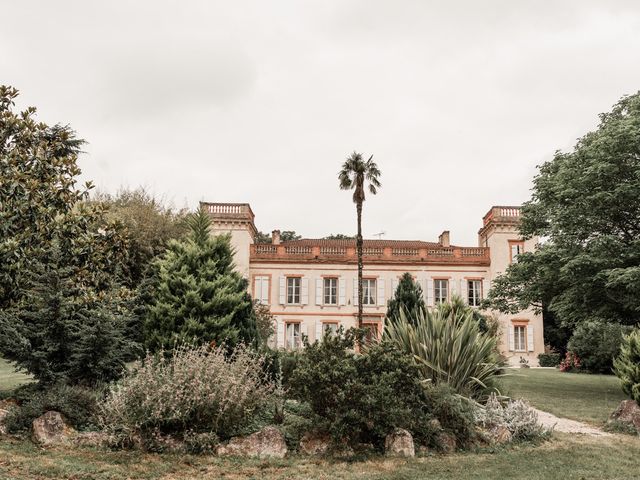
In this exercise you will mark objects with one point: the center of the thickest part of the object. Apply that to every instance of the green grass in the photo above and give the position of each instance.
(9, 379)
(579, 396)
(566, 457)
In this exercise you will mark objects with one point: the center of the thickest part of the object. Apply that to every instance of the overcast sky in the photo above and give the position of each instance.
(261, 101)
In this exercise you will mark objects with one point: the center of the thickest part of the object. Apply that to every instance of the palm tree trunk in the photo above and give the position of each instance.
(360, 265)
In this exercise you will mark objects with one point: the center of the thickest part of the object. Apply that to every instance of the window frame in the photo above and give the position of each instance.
(373, 292)
(519, 244)
(519, 340)
(294, 343)
(330, 280)
(476, 291)
(439, 299)
(294, 278)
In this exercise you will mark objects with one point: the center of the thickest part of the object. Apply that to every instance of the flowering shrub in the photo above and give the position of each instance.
(570, 363)
(516, 416)
(196, 390)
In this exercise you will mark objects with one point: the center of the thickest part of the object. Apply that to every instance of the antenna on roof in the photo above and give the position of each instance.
(379, 235)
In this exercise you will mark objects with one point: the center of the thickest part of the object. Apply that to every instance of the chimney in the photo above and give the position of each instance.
(275, 237)
(443, 239)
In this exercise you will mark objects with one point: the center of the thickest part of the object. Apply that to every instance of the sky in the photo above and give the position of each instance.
(262, 101)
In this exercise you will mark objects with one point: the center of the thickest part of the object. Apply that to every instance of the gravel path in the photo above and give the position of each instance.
(568, 426)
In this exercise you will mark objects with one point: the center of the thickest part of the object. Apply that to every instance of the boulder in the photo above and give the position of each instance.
(627, 412)
(315, 443)
(91, 439)
(399, 444)
(8, 403)
(52, 429)
(267, 443)
(446, 442)
(3, 429)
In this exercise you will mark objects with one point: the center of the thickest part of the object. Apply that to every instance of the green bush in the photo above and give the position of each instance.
(450, 349)
(597, 343)
(627, 365)
(363, 397)
(78, 404)
(196, 390)
(549, 359)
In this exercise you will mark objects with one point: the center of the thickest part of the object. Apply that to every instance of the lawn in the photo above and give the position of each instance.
(589, 398)
(566, 457)
(8, 378)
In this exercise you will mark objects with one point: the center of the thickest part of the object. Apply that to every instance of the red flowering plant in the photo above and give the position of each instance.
(570, 363)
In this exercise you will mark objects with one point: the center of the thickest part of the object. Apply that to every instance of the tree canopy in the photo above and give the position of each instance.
(408, 297)
(586, 208)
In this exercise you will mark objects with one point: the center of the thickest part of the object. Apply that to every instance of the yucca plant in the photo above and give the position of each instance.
(449, 348)
(627, 365)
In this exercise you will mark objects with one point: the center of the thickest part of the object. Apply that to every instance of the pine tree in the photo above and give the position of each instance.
(61, 332)
(627, 365)
(408, 296)
(196, 295)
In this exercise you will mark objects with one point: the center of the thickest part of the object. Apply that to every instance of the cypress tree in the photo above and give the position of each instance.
(408, 296)
(196, 295)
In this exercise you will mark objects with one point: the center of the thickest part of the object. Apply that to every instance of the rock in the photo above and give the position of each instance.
(446, 442)
(91, 439)
(315, 443)
(399, 444)
(52, 429)
(627, 412)
(3, 429)
(500, 435)
(267, 443)
(8, 403)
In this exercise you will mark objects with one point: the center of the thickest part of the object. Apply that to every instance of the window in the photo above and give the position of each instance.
(293, 290)
(371, 332)
(261, 289)
(474, 292)
(330, 291)
(293, 339)
(369, 291)
(516, 249)
(520, 338)
(440, 290)
(330, 328)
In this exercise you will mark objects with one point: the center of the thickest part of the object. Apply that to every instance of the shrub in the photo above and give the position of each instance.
(516, 416)
(597, 343)
(449, 349)
(196, 390)
(549, 359)
(78, 404)
(363, 397)
(570, 363)
(627, 365)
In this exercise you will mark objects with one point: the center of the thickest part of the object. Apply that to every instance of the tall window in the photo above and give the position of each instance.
(516, 249)
(520, 338)
(369, 291)
(293, 290)
(330, 328)
(440, 290)
(294, 339)
(330, 291)
(474, 292)
(371, 332)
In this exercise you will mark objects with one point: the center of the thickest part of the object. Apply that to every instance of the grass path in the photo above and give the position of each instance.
(577, 396)
(9, 379)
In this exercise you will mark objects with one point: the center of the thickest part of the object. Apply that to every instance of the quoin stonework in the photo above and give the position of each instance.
(310, 285)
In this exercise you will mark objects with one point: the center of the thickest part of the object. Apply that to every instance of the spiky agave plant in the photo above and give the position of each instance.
(450, 349)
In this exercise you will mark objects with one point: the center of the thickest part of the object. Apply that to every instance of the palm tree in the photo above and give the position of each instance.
(355, 171)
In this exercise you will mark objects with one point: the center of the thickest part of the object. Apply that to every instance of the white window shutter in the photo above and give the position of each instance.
(453, 286)
(464, 293)
(429, 292)
(265, 290)
(319, 291)
(381, 299)
(394, 287)
(257, 288)
(342, 287)
(280, 333)
(486, 286)
(305, 291)
(512, 342)
(283, 290)
(530, 338)
(355, 291)
(318, 330)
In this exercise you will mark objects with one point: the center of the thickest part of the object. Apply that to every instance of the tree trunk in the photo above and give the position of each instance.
(359, 243)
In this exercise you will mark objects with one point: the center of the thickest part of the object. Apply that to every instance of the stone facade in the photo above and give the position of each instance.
(311, 284)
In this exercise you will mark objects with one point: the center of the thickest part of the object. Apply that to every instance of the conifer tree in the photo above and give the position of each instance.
(196, 295)
(408, 296)
(62, 332)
